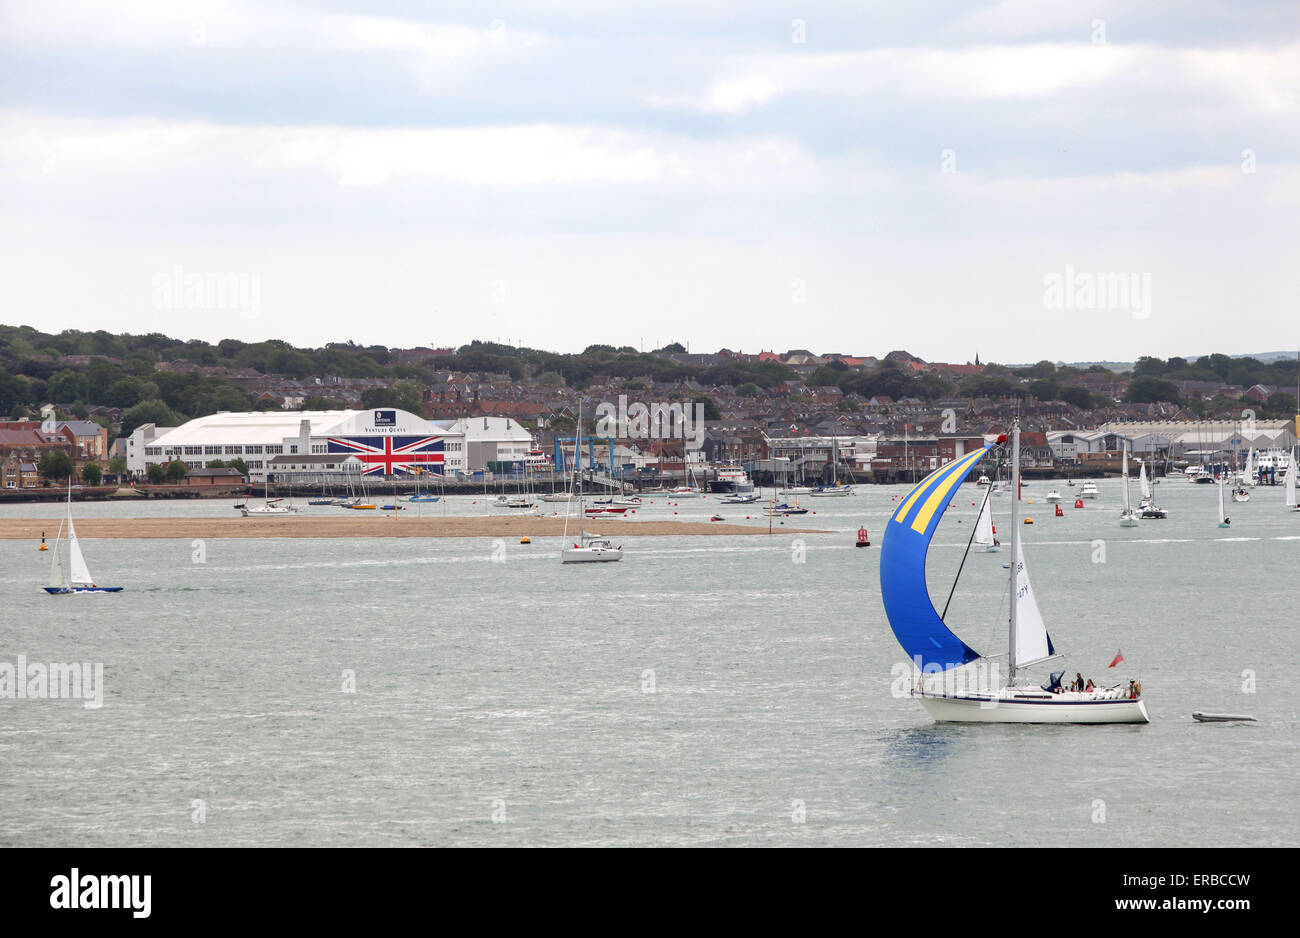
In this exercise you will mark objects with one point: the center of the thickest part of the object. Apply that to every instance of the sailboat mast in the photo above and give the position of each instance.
(1015, 549)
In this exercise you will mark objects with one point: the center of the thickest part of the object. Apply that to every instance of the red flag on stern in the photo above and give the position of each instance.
(1119, 656)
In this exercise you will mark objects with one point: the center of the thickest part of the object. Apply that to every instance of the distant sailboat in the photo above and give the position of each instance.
(985, 533)
(77, 578)
(933, 647)
(1223, 516)
(1128, 518)
(591, 548)
(1147, 508)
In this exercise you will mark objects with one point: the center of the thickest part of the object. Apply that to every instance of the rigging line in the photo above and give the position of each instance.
(988, 490)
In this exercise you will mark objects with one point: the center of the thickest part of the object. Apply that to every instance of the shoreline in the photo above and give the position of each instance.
(378, 524)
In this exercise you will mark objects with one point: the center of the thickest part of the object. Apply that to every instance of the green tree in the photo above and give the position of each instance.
(320, 402)
(1044, 389)
(749, 389)
(91, 474)
(55, 465)
(239, 464)
(711, 411)
(826, 376)
(117, 466)
(155, 473)
(215, 464)
(176, 471)
(1149, 390)
(1078, 396)
(401, 396)
(155, 412)
(15, 391)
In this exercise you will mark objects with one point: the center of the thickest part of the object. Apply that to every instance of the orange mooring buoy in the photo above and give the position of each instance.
(43, 547)
(1078, 503)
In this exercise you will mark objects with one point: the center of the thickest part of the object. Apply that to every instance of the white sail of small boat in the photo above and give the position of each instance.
(77, 578)
(935, 649)
(985, 535)
(1128, 518)
(1223, 516)
(1291, 473)
(1143, 484)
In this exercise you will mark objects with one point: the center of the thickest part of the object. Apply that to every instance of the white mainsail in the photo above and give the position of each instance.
(80, 573)
(1248, 474)
(1127, 507)
(984, 526)
(1142, 479)
(1290, 481)
(1032, 644)
(1222, 515)
(56, 566)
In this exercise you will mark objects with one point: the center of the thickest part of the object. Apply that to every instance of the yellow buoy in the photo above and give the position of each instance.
(525, 540)
(1029, 521)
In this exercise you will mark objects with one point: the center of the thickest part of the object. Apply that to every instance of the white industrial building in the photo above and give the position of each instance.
(492, 440)
(377, 443)
(385, 442)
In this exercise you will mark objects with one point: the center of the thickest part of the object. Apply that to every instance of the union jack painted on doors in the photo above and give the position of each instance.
(393, 455)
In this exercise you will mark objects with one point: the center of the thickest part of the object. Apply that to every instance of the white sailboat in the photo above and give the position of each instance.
(1223, 517)
(269, 506)
(76, 577)
(590, 548)
(1128, 518)
(1147, 508)
(934, 648)
(985, 533)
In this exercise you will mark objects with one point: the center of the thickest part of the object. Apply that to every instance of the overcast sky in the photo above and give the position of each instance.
(851, 177)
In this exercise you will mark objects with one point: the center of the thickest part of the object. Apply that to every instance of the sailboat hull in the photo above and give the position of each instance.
(64, 590)
(1031, 707)
(591, 555)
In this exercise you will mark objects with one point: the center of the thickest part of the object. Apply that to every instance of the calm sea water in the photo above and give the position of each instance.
(704, 691)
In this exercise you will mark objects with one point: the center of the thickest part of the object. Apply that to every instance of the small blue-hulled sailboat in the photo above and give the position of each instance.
(76, 578)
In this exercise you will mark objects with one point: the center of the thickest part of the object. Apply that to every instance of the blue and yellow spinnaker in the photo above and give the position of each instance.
(903, 549)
